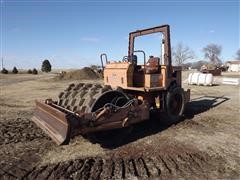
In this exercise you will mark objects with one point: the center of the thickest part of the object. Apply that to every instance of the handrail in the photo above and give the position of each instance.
(125, 58)
(106, 59)
(144, 56)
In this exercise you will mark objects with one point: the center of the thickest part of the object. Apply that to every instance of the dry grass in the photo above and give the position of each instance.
(22, 90)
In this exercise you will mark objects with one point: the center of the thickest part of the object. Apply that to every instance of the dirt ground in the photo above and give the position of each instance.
(205, 144)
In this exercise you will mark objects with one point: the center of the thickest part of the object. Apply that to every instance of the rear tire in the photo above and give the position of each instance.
(175, 104)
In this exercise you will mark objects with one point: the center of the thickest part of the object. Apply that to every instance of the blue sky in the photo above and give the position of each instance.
(72, 34)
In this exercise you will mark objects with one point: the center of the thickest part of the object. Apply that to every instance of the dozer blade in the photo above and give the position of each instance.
(53, 122)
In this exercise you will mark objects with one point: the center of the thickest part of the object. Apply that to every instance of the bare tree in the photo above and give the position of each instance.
(181, 54)
(212, 52)
(238, 54)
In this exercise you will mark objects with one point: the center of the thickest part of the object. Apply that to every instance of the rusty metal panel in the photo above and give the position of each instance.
(117, 65)
(177, 70)
(118, 74)
(153, 80)
(122, 118)
(53, 122)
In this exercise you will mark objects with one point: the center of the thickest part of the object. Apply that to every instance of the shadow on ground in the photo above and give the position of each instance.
(202, 104)
(159, 122)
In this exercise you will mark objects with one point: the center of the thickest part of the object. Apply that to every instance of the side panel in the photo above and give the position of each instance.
(177, 75)
(119, 74)
(153, 80)
(164, 71)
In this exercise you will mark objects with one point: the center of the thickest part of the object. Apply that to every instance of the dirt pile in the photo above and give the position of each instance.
(84, 73)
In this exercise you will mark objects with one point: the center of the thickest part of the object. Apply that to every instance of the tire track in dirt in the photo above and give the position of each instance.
(19, 130)
(168, 162)
(161, 166)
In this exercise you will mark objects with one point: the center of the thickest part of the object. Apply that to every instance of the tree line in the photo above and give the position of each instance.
(182, 54)
(46, 67)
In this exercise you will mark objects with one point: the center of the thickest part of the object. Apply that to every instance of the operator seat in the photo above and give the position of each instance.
(152, 66)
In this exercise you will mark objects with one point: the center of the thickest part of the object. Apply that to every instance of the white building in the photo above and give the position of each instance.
(233, 66)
